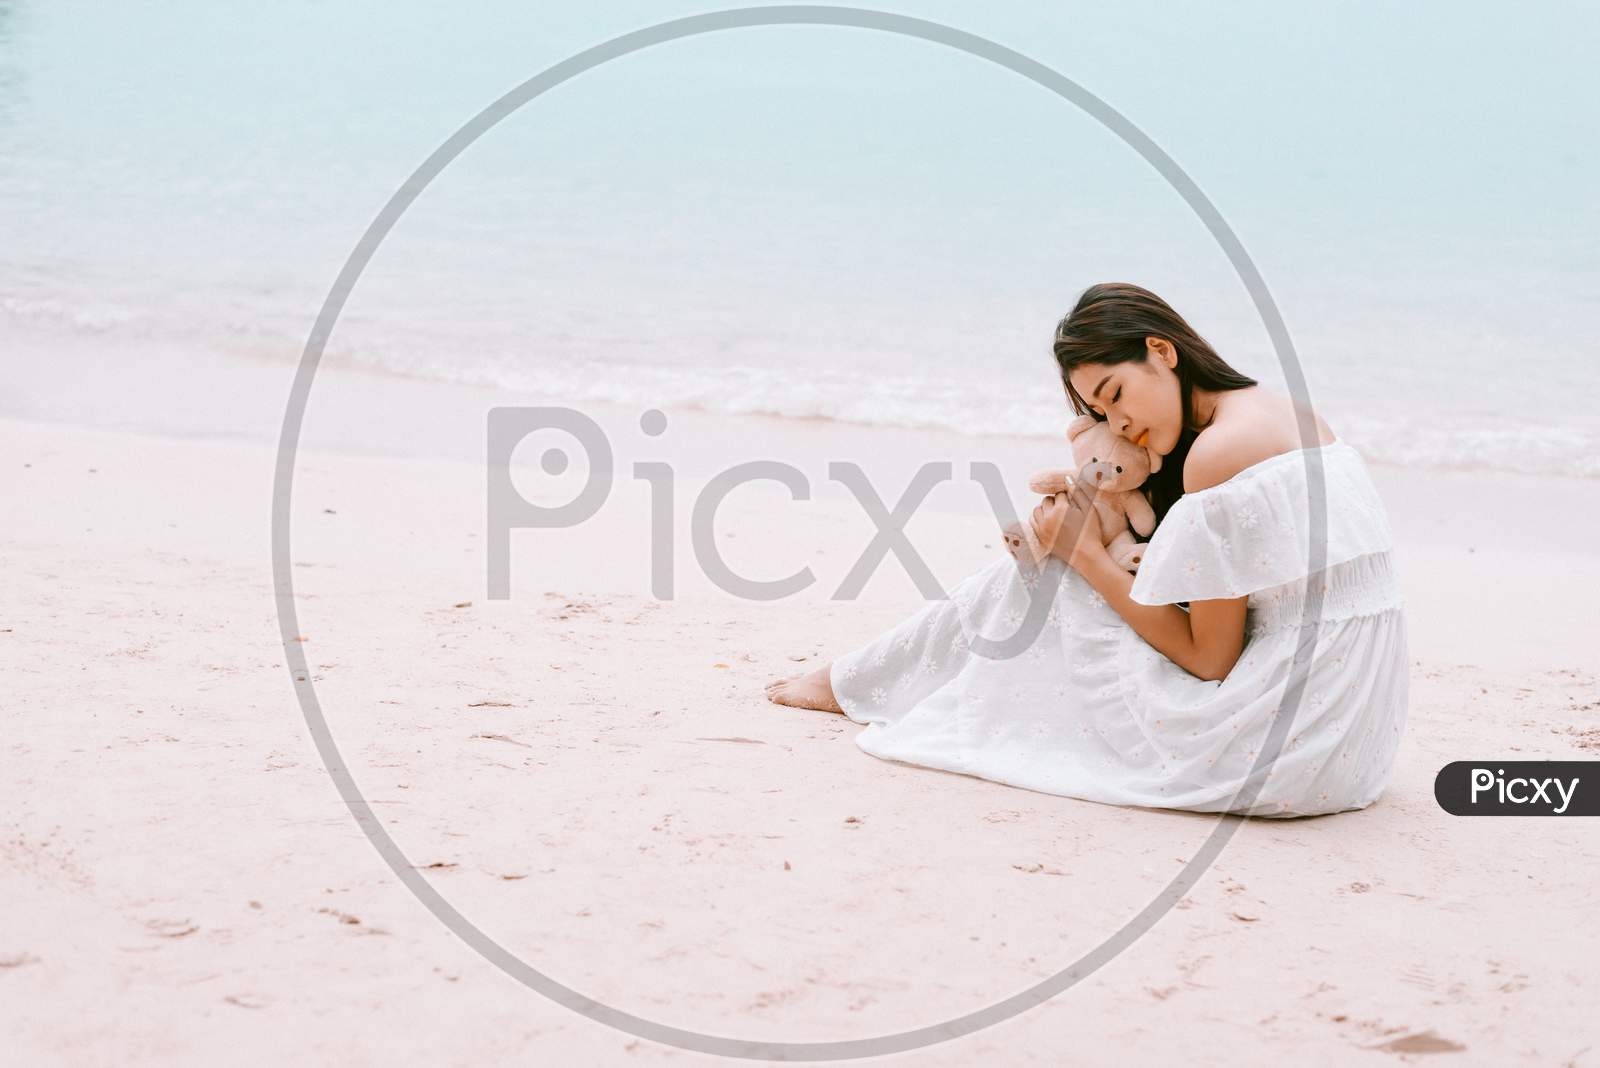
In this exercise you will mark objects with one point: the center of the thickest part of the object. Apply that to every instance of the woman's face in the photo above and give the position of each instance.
(1142, 400)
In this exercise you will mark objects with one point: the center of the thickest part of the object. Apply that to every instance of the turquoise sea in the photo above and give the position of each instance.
(828, 222)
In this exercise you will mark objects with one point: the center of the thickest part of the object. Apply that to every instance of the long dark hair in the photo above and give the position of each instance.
(1109, 324)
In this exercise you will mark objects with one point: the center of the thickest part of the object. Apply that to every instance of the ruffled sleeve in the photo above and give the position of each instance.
(1253, 531)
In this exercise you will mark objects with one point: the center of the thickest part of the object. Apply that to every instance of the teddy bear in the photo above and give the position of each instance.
(1117, 468)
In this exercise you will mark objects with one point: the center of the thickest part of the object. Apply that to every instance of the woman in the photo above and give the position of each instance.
(1123, 696)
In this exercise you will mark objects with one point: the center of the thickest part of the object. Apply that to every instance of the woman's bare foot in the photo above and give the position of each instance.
(805, 691)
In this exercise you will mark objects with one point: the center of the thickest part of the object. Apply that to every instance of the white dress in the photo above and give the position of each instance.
(1091, 710)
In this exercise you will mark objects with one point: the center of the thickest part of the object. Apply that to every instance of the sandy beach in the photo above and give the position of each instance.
(592, 775)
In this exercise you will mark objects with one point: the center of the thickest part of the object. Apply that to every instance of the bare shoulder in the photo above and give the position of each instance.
(1219, 453)
(1250, 426)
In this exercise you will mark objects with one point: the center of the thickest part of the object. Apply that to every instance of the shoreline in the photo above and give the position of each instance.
(85, 384)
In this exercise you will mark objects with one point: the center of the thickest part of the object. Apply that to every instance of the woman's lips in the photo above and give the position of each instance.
(1143, 439)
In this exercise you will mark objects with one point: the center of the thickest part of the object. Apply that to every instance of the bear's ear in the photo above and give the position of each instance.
(1155, 459)
(1080, 424)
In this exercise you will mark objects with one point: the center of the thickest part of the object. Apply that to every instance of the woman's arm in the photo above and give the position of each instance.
(1205, 641)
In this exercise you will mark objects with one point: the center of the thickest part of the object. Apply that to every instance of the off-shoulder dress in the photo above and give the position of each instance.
(1091, 710)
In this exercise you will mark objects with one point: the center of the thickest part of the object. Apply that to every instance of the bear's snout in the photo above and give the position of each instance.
(1100, 473)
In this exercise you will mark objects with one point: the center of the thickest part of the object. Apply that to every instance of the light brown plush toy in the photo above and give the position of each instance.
(1116, 468)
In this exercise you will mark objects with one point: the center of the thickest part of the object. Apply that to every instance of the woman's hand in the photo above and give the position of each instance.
(1069, 526)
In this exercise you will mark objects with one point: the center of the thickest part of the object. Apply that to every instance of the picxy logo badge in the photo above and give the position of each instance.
(1519, 788)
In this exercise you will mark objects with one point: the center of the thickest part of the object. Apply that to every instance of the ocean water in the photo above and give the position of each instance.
(828, 223)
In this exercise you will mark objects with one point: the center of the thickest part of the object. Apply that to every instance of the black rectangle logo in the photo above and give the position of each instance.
(1519, 788)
